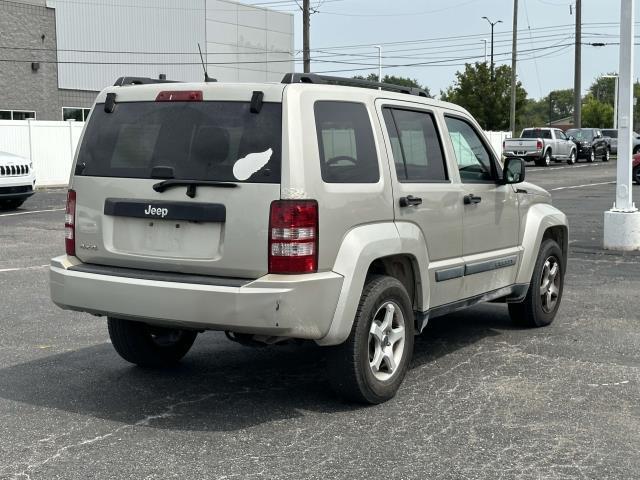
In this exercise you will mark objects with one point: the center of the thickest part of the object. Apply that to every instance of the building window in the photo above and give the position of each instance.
(78, 114)
(17, 115)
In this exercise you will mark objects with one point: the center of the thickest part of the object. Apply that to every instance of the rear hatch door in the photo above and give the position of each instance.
(180, 186)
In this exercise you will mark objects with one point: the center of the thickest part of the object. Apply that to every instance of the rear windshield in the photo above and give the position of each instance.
(220, 141)
(536, 134)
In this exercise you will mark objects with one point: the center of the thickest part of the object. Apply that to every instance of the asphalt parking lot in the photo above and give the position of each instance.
(483, 399)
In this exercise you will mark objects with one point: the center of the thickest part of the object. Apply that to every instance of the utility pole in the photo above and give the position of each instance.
(493, 24)
(577, 80)
(485, 49)
(514, 56)
(615, 99)
(379, 47)
(622, 222)
(306, 21)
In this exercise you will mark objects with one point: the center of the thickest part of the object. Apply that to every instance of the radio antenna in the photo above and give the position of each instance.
(207, 78)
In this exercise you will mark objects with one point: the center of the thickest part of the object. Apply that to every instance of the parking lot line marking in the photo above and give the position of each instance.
(5, 270)
(582, 186)
(32, 211)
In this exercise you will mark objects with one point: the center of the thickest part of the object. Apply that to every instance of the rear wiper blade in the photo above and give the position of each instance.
(191, 185)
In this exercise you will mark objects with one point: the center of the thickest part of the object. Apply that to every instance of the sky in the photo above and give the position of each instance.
(444, 34)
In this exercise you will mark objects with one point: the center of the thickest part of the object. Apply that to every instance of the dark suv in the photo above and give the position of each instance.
(591, 143)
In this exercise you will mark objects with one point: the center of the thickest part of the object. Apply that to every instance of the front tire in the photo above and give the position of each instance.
(607, 155)
(572, 157)
(371, 364)
(541, 304)
(11, 204)
(592, 156)
(149, 346)
(636, 174)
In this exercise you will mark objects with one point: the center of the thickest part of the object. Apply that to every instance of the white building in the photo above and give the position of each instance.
(97, 41)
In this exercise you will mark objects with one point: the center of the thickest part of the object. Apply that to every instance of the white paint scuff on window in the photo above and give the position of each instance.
(247, 166)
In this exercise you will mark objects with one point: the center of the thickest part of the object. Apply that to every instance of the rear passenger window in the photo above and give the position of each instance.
(416, 147)
(345, 141)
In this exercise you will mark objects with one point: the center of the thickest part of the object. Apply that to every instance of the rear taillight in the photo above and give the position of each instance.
(293, 236)
(70, 224)
(179, 96)
(539, 145)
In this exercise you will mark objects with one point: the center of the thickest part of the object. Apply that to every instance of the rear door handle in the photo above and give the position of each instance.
(471, 199)
(410, 201)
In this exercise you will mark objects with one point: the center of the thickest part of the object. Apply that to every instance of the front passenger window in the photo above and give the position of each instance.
(474, 160)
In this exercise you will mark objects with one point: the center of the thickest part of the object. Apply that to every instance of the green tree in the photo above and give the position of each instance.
(487, 99)
(603, 89)
(535, 113)
(396, 80)
(596, 114)
(560, 103)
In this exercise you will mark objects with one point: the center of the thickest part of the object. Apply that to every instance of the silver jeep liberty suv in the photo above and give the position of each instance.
(320, 208)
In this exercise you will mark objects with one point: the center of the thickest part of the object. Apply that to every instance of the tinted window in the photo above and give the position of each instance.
(199, 140)
(610, 133)
(474, 160)
(416, 147)
(345, 142)
(536, 133)
(560, 135)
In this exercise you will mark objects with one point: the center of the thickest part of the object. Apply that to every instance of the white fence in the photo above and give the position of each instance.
(496, 139)
(52, 145)
(49, 145)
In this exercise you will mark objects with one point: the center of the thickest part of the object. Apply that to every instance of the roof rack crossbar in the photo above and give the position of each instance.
(123, 81)
(351, 82)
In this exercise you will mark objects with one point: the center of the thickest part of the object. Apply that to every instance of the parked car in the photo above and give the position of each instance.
(306, 210)
(612, 133)
(591, 143)
(17, 180)
(636, 168)
(542, 145)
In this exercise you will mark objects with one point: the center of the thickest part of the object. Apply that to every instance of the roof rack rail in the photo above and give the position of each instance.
(351, 82)
(123, 81)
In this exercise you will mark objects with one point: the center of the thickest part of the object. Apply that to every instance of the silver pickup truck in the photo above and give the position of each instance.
(541, 145)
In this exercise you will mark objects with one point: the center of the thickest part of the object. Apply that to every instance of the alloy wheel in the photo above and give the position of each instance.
(386, 341)
(550, 284)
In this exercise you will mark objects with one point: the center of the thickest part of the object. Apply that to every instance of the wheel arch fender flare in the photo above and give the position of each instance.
(541, 219)
(360, 247)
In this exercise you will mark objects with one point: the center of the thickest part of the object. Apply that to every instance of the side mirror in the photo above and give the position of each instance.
(514, 171)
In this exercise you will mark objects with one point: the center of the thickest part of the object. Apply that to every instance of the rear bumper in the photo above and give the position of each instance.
(530, 155)
(297, 306)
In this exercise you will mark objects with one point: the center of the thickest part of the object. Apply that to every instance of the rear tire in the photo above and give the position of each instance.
(149, 346)
(541, 304)
(371, 364)
(545, 161)
(636, 174)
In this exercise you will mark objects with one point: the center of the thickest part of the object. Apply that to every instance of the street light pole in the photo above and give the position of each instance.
(622, 222)
(485, 49)
(493, 24)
